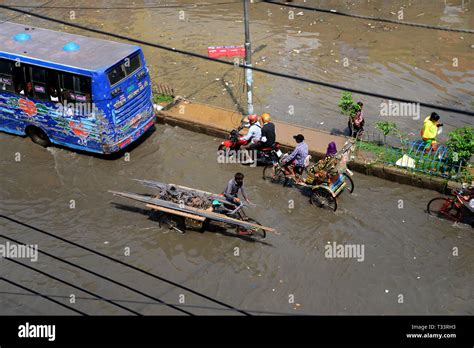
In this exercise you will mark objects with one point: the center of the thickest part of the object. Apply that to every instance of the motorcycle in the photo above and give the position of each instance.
(264, 156)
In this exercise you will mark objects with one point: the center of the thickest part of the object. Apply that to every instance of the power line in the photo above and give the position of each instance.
(43, 296)
(126, 265)
(103, 277)
(154, 303)
(265, 71)
(74, 286)
(34, 8)
(378, 19)
(130, 7)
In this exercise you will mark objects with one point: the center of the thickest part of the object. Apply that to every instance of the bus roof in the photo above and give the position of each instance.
(61, 48)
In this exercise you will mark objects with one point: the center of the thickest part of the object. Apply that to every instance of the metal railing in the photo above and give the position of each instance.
(419, 157)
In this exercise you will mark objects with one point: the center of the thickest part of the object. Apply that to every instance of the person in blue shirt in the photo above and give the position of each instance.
(294, 163)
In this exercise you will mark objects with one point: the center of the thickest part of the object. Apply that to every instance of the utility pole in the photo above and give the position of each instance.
(248, 60)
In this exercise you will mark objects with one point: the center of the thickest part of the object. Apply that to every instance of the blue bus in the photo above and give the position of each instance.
(79, 92)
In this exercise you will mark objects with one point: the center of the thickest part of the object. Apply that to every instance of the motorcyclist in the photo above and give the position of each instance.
(253, 137)
(268, 132)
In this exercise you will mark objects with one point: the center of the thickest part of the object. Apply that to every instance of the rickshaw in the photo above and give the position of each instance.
(327, 179)
(182, 207)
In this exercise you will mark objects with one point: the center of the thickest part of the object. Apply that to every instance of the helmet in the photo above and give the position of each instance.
(266, 117)
(215, 203)
(253, 118)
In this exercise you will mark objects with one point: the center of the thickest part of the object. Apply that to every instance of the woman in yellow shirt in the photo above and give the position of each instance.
(430, 130)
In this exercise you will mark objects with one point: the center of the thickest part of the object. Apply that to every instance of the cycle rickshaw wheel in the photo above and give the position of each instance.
(349, 183)
(323, 198)
(444, 207)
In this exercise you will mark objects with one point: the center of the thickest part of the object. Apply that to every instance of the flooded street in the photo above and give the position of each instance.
(409, 266)
(406, 252)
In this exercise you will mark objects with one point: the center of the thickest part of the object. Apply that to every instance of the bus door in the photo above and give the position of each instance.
(7, 92)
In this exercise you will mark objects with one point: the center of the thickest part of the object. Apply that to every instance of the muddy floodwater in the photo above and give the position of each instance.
(424, 65)
(411, 264)
(406, 252)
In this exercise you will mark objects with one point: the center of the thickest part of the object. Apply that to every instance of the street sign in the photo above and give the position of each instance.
(226, 51)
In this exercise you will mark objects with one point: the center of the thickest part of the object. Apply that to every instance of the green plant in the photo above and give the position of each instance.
(161, 98)
(386, 127)
(347, 105)
(461, 144)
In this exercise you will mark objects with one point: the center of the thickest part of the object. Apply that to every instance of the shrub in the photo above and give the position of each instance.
(461, 144)
(347, 105)
(386, 127)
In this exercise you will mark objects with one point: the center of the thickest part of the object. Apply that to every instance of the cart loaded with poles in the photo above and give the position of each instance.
(182, 208)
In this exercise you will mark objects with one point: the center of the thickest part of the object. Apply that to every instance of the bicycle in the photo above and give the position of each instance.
(451, 208)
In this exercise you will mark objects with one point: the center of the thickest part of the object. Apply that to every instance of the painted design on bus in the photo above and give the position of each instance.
(28, 107)
(79, 130)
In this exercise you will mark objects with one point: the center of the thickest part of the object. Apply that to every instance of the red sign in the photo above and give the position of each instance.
(226, 51)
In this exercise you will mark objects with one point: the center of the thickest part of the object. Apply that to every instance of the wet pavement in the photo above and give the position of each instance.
(406, 252)
(427, 65)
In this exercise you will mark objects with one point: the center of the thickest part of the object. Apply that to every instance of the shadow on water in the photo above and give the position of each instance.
(164, 219)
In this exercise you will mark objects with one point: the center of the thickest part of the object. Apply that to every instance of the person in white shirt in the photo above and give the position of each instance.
(253, 137)
(54, 95)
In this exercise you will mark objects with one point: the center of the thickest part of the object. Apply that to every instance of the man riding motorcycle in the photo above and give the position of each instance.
(253, 137)
(268, 132)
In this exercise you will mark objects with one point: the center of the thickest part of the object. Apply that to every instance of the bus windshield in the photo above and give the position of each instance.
(127, 67)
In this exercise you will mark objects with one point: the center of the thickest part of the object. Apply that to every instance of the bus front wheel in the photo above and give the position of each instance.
(38, 136)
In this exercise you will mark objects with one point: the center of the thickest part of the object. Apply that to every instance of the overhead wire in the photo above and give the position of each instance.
(102, 277)
(378, 19)
(72, 285)
(155, 276)
(256, 311)
(243, 66)
(43, 296)
(135, 7)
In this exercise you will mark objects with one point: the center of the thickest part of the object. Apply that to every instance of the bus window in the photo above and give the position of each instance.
(19, 79)
(39, 81)
(67, 88)
(133, 64)
(124, 69)
(82, 89)
(6, 76)
(53, 86)
(116, 74)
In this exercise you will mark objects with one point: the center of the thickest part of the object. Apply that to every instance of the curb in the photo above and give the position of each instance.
(389, 173)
